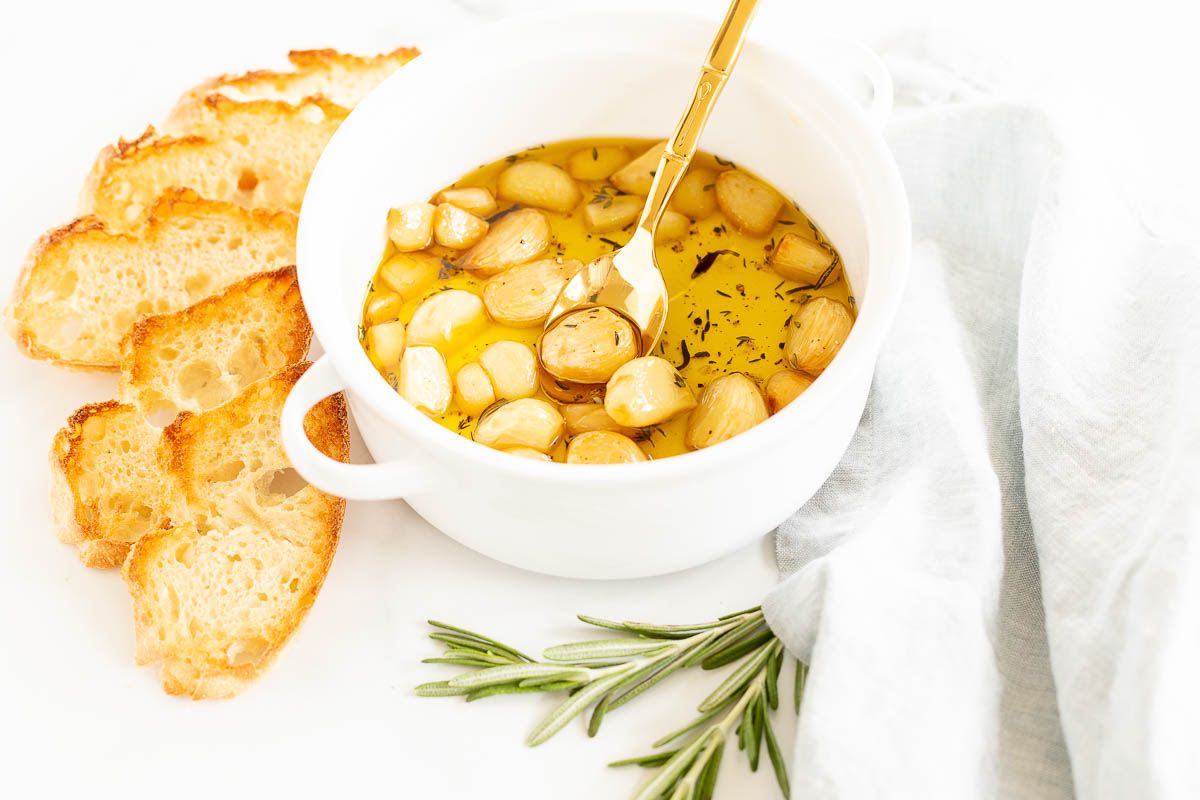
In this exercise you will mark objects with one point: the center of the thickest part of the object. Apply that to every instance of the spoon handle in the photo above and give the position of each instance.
(682, 145)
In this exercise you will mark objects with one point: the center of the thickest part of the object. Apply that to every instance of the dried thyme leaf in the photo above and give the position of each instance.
(704, 263)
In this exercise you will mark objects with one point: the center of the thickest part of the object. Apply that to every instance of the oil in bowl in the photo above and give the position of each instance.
(759, 305)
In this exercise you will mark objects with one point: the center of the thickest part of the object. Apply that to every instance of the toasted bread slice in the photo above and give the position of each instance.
(228, 462)
(338, 77)
(107, 488)
(217, 597)
(257, 154)
(197, 358)
(108, 483)
(83, 286)
(216, 605)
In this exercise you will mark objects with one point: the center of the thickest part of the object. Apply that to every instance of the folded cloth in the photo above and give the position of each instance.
(1031, 443)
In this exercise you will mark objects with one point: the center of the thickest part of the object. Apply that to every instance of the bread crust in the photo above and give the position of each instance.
(210, 679)
(181, 456)
(278, 288)
(103, 554)
(207, 676)
(179, 201)
(218, 110)
(78, 520)
(300, 332)
(218, 137)
(91, 231)
(74, 520)
(123, 151)
(14, 318)
(308, 67)
(308, 59)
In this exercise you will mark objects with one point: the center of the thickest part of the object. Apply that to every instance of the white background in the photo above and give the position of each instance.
(336, 712)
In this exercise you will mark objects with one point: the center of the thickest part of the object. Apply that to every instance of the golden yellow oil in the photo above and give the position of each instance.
(731, 317)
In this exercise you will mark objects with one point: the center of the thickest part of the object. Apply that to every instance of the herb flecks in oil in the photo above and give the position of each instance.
(705, 262)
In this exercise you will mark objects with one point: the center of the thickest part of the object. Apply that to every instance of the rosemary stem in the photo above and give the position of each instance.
(670, 650)
(734, 714)
(714, 741)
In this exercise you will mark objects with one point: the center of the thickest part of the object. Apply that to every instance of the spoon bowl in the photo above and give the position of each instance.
(629, 281)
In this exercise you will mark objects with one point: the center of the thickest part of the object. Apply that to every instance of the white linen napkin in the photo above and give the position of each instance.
(1031, 442)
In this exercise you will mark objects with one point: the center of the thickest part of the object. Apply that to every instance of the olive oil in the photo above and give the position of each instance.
(729, 310)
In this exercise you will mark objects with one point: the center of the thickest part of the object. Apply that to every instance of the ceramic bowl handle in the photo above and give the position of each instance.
(883, 94)
(859, 63)
(387, 481)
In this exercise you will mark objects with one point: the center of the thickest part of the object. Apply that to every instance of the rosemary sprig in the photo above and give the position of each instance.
(605, 674)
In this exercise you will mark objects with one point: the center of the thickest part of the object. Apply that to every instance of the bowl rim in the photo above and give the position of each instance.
(875, 312)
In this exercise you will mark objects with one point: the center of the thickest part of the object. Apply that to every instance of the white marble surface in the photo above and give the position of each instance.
(336, 713)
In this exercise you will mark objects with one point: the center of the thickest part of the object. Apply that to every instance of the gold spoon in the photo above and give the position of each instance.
(628, 280)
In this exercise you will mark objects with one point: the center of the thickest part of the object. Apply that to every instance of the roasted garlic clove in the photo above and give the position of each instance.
(597, 163)
(569, 391)
(586, 417)
(805, 261)
(820, 327)
(523, 296)
(424, 380)
(515, 238)
(385, 344)
(384, 307)
(528, 452)
(647, 391)
(446, 319)
(538, 184)
(473, 390)
(730, 405)
(695, 196)
(512, 367)
(783, 387)
(528, 422)
(476, 200)
(588, 346)
(672, 226)
(612, 213)
(750, 204)
(603, 447)
(409, 274)
(410, 226)
(636, 176)
(455, 228)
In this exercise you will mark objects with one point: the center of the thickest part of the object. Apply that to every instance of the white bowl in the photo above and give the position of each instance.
(502, 88)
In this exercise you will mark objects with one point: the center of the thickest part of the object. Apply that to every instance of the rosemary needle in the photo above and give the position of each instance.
(605, 674)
